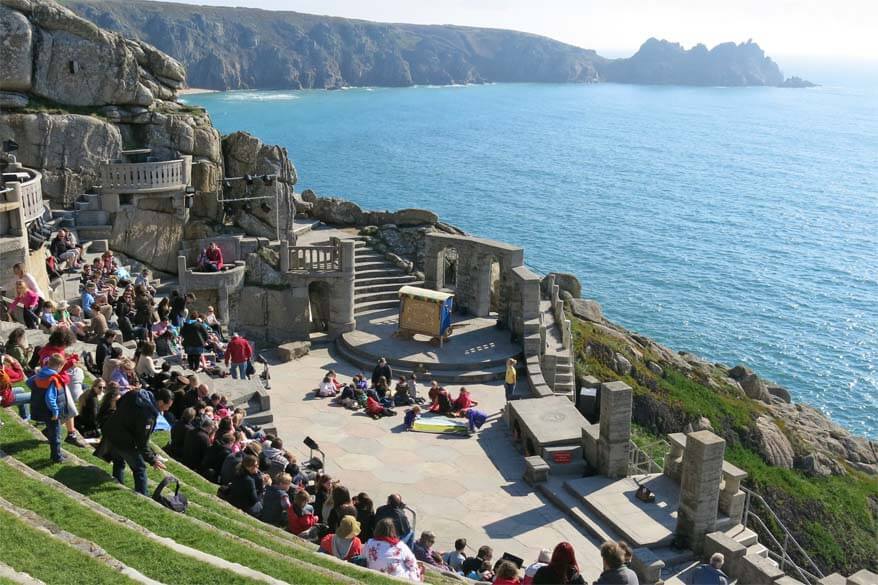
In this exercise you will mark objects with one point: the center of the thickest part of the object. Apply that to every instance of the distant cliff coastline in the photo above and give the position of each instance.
(247, 48)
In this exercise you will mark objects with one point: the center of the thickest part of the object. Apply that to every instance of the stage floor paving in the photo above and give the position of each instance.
(461, 487)
(476, 341)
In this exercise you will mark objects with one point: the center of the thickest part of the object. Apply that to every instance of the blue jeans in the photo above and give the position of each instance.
(22, 400)
(239, 370)
(510, 390)
(138, 467)
(53, 433)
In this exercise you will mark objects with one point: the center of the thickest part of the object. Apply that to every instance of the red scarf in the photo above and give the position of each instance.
(389, 539)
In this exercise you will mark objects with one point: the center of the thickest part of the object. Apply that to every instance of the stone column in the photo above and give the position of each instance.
(341, 303)
(284, 252)
(615, 429)
(731, 498)
(432, 265)
(674, 458)
(223, 307)
(181, 274)
(699, 487)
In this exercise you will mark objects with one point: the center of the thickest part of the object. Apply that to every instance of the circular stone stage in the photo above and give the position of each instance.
(476, 351)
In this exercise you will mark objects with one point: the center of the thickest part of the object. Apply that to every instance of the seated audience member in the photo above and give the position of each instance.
(381, 389)
(473, 565)
(562, 567)
(365, 515)
(23, 307)
(424, 552)
(211, 259)
(111, 363)
(230, 465)
(108, 403)
(276, 501)
(455, 558)
(245, 491)
(401, 396)
(376, 410)
(395, 510)
(47, 316)
(146, 367)
(179, 430)
(442, 404)
(215, 456)
(464, 401)
(301, 519)
(86, 421)
(343, 543)
(710, 573)
(197, 443)
(386, 553)
(382, 370)
(322, 493)
(342, 505)
(18, 348)
(531, 570)
(506, 574)
(125, 376)
(327, 387)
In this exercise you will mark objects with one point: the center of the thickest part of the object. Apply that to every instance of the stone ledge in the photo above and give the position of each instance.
(536, 470)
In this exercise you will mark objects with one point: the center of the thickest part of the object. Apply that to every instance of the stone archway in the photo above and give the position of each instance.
(319, 296)
(496, 287)
(450, 267)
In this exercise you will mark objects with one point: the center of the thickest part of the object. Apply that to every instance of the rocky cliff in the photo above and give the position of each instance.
(245, 48)
(73, 96)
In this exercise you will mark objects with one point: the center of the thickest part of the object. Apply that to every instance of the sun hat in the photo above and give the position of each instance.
(348, 528)
(545, 556)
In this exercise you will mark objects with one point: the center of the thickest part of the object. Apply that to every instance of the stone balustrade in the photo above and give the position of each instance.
(226, 281)
(26, 195)
(146, 177)
(731, 497)
(309, 258)
(674, 459)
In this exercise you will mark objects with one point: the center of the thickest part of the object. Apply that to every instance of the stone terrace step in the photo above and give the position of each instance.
(387, 279)
(742, 534)
(360, 308)
(389, 287)
(371, 272)
(463, 377)
(376, 296)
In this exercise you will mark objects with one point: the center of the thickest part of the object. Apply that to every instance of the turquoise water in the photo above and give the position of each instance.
(739, 224)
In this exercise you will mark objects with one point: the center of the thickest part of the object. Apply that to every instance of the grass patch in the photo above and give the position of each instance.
(36, 553)
(97, 485)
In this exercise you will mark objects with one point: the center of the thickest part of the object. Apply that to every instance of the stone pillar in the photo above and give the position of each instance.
(615, 429)
(432, 266)
(284, 253)
(181, 274)
(732, 498)
(674, 458)
(341, 303)
(223, 307)
(699, 487)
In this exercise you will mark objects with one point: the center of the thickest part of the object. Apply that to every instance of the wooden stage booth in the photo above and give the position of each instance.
(425, 311)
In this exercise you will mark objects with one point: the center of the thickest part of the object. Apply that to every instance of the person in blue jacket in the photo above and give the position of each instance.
(49, 402)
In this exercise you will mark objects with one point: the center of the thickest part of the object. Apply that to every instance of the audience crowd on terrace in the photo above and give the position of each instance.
(254, 471)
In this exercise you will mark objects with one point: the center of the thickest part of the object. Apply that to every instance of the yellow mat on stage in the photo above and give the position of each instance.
(434, 423)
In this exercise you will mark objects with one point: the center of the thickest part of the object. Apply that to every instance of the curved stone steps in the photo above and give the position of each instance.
(474, 374)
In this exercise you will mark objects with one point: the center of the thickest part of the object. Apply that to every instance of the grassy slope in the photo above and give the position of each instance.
(834, 518)
(206, 507)
(39, 555)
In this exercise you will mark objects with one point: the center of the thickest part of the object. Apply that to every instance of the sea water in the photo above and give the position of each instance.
(740, 224)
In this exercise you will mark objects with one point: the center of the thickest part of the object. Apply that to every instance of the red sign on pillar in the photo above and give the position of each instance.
(562, 457)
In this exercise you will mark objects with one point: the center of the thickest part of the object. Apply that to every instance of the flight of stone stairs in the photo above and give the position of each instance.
(91, 222)
(376, 280)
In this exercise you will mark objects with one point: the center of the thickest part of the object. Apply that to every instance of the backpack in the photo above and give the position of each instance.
(177, 502)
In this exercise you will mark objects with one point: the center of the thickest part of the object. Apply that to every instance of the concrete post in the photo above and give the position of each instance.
(731, 498)
(432, 265)
(699, 487)
(284, 252)
(224, 304)
(16, 223)
(615, 429)
(181, 273)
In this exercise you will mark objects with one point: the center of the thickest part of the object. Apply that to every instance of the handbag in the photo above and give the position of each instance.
(251, 369)
(177, 502)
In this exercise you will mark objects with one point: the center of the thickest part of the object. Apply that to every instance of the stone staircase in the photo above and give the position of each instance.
(376, 280)
(91, 222)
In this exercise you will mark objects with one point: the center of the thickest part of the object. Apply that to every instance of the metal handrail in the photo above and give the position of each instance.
(640, 462)
(783, 557)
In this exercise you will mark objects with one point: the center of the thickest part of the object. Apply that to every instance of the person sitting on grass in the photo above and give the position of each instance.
(474, 565)
(301, 519)
(344, 543)
(454, 559)
(542, 560)
(230, 465)
(86, 422)
(245, 491)
(181, 428)
(562, 567)
(506, 574)
(424, 552)
(386, 553)
(276, 501)
(215, 456)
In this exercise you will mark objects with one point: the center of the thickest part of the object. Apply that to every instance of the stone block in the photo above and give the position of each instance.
(647, 565)
(536, 470)
(293, 350)
(99, 246)
(833, 579)
(863, 577)
(615, 419)
(757, 570)
(700, 480)
(16, 50)
(731, 549)
(787, 580)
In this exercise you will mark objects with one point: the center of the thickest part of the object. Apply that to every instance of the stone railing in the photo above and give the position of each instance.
(32, 198)
(225, 282)
(147, 177)
(309, 258)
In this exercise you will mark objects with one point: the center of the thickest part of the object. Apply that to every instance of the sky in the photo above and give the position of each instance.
(616, 28)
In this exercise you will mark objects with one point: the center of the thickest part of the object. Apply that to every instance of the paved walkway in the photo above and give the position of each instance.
(459, 486)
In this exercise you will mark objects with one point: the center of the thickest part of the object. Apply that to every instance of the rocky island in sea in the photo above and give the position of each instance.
(104, 144)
